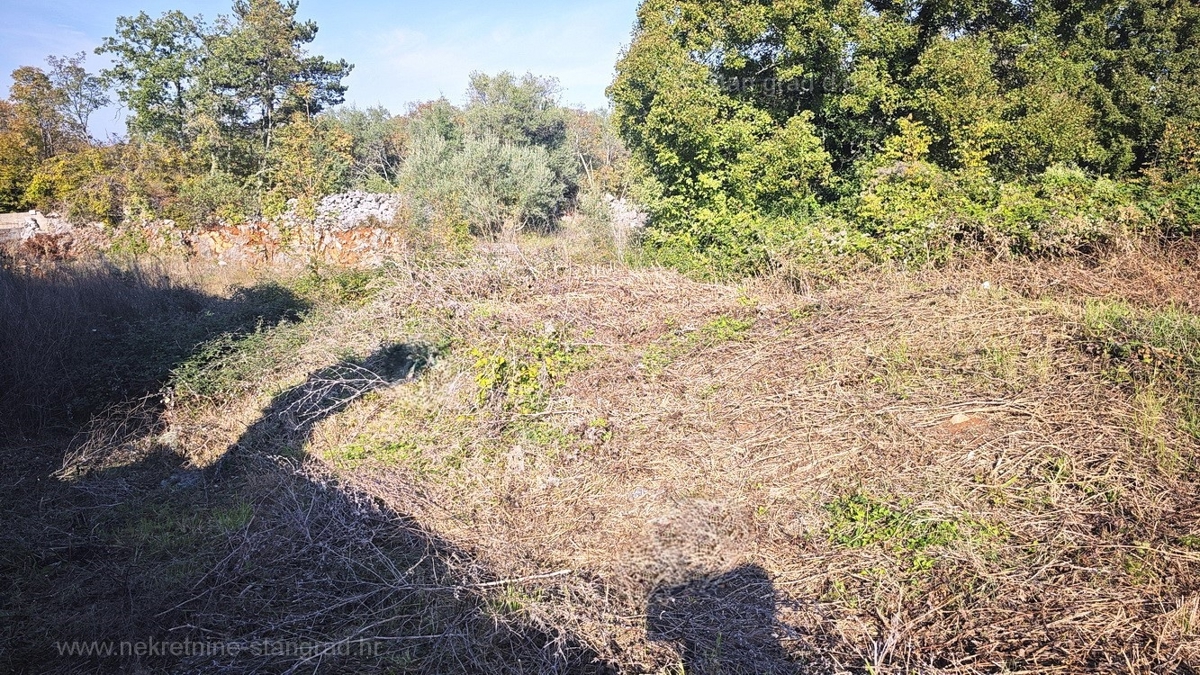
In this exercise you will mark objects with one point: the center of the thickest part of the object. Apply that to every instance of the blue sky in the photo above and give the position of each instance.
(402, 51)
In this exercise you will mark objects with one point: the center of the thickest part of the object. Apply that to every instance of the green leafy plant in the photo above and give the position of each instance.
(519, 378)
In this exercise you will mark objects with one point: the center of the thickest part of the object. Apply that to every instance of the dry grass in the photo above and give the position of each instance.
(908, 472)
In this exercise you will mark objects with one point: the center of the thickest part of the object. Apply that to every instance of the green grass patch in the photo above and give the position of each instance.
(1155, 351)
(678, 341)
(233, 518)
(861, 520)
(391, 453)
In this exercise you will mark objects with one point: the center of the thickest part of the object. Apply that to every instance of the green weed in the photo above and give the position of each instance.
(386, 453)
(724, 329)
(227, 365)
(520, 378)
(1157, 352)
(860, 520)
(338, 286)
(677, 342)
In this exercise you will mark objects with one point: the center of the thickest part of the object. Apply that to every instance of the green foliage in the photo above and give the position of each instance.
(211, 198)
(156, 65)
(503, 164)
(253, 340)
(519, 377)
(152, 174)
(921, 127)
(505, 187)
(603, 158)
(41, 104)
(18, 156)
(259, 74)
(389, 453)
(221, 91)
(679, 341)
(492, 185)
(81, 92)
(338, 285)
(228, 365)
(917, 211)
(1159, 349)
(378, 142)
(307, 161)
(83, 184)
(129, 242)
(861, 520)
(724, 329)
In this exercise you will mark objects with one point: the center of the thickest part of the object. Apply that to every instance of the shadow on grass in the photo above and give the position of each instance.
(262, 563)
(723, 623)
(77, 338)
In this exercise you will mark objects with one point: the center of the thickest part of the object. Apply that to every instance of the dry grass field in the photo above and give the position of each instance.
(524, 460)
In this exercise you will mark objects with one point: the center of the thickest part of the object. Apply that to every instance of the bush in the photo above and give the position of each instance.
(211, 198)
(85, 186)
(1175, 205)
(507, 187)
(495, 186)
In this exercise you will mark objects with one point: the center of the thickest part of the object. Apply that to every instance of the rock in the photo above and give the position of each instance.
(349, 210)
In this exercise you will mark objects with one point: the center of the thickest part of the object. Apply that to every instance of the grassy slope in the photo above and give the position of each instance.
(597, 465)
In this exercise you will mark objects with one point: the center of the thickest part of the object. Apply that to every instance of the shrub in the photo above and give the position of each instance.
(495, 186)
(210, 198)
(84, 185)
(308, 160)
(505, 186)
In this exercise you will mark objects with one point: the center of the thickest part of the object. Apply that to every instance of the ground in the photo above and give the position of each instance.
(515, 460)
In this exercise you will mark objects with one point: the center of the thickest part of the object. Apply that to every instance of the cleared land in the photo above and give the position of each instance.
(515, 462)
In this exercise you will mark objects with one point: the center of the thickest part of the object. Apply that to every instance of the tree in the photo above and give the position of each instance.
(311, 158)
(82, 92)
(380, 142)
(19, 140)
(258, 64)
(527, 113)
(703, 141)
(720, 102)
(39, 103)
(156, 70)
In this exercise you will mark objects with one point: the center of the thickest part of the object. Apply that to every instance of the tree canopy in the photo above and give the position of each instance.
(736, 108)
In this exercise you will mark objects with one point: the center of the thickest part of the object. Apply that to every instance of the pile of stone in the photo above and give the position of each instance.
(350, 210)
(34, 223)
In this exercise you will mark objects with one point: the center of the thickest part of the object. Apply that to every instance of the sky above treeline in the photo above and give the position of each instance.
(403, 52)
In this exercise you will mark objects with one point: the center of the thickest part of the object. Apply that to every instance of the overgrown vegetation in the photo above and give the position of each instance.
(537, 455)
(1157, 352)
(763, 134)
(234, 121)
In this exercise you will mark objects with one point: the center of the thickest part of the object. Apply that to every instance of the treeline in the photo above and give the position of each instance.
(768, 131)
(234, 120)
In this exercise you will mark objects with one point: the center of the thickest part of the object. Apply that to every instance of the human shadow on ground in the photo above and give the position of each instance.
(721, 624)
(262, 563)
